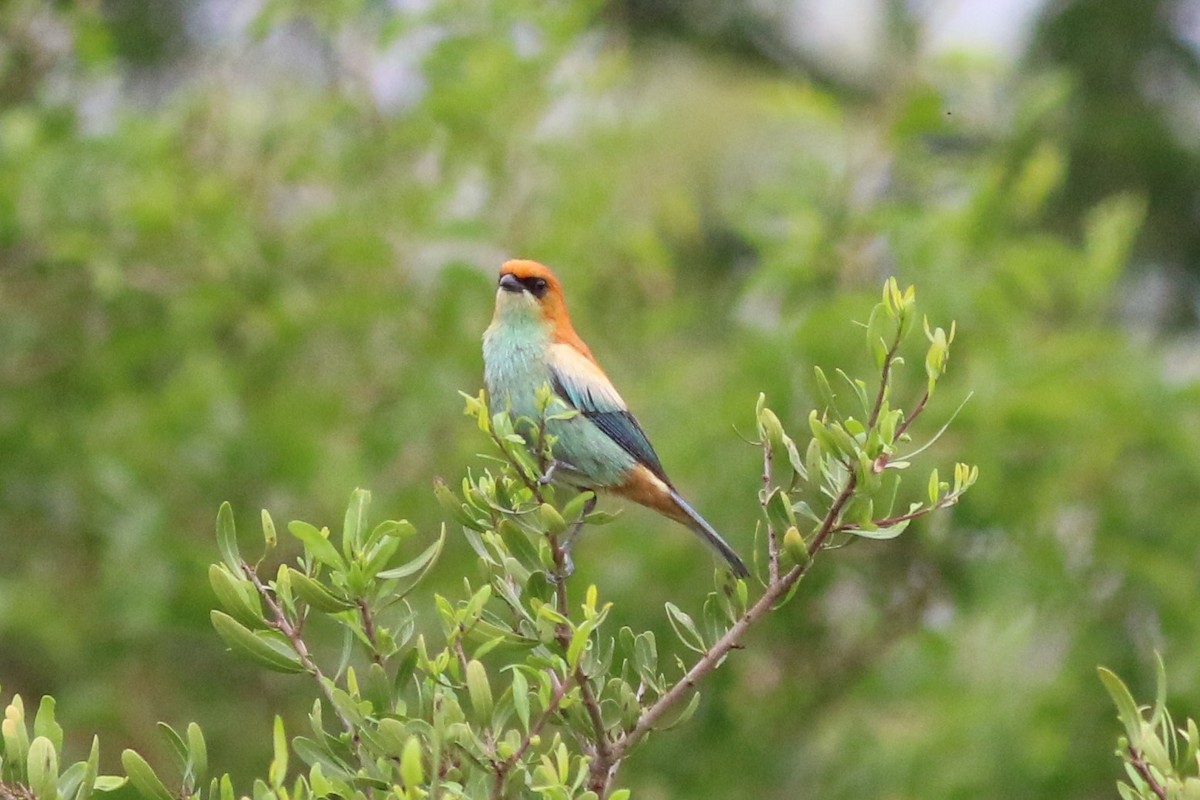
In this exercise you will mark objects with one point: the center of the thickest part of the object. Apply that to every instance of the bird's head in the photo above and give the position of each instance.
(529, 289)
(530, 292)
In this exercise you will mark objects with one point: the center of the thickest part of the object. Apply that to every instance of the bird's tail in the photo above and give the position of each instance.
(689, 516)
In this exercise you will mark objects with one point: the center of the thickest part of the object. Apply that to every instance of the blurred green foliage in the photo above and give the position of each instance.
(256, 266)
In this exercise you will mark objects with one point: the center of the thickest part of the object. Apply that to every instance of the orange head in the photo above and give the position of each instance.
(527, 287)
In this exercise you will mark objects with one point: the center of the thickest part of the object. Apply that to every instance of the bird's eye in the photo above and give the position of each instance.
(537, 286)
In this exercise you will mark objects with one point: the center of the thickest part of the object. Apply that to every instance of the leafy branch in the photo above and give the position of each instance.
(516, 688)
(1161, 760)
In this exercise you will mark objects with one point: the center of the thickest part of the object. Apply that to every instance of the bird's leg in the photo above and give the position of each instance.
(568, 539)
(568, 566)
(548, 475)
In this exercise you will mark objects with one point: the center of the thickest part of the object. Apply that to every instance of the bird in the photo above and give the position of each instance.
(531, 344)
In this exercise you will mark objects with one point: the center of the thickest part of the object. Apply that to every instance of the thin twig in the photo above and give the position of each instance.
(1139, 764)
(556, 696)
(772, 534)
(884, 378)
(502, 769)
(730, 640)
(916, 412)
(368, 623)
(284, 625)
(888, 522)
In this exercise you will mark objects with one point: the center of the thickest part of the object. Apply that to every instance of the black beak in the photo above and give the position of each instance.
(509, 283)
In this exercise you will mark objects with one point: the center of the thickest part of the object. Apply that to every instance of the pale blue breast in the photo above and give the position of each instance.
(514, 359)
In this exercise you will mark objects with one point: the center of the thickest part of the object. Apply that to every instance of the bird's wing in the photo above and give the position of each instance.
(584, 386)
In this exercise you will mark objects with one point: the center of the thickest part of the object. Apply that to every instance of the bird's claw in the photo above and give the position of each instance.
(549, 474)
(568, 566)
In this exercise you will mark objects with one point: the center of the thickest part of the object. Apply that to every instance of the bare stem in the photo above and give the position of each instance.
(916, 412)
(368, 623)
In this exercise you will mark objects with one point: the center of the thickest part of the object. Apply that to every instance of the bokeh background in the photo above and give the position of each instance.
(247, 250)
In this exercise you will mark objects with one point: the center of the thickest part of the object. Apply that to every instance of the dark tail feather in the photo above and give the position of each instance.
(698, 524)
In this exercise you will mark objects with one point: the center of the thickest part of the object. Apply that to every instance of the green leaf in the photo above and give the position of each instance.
(573, 509)
(316, 542)
(197, 752)
(681, 715)
(143, 778)
(825, 391)
(890, 532)
(270, 537)
(411, 770)
(44, 723)
(176, 744)
(227, 538)
(551, 521)
(517, 542)
(113, 786)
(354, 524)
(88, 781)
(479, 689)
(860, 391)
(520, 697)
(450, 502)
(779, 511)
(645, 658)
(236, 595)
(1160, 690)
(814, 462)
(314, 754)
(685, 628)
(1127, 710)
(277, 771)
(316, 595)
(42, 768)
(71, 779)
(263, 648)
(421, 564)
(877, 333)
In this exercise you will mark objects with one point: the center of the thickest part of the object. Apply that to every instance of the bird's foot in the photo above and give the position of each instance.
(548, 475)
(567, 569)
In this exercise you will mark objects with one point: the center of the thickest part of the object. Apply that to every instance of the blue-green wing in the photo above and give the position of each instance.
(583, 386)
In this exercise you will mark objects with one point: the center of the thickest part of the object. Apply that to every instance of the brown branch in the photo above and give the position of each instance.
(916, 412)
(1143, 769)
(885, 375)
(368, 623)
(731, 639)
(284, 625)
(888, 522)
(505, 767)
(601, 773)
(602, 762)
